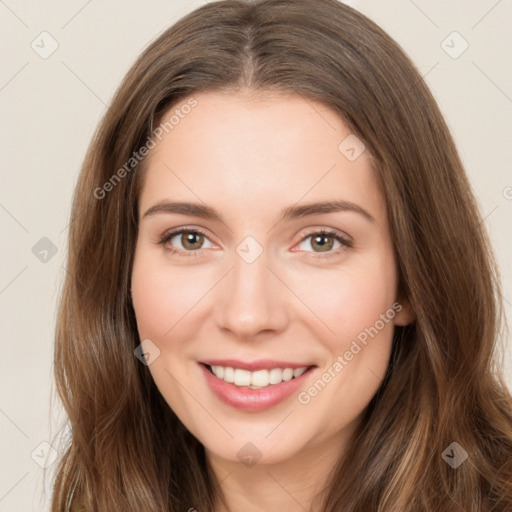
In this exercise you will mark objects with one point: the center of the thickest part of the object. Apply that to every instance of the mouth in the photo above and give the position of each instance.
(258, 389)
(257, 379)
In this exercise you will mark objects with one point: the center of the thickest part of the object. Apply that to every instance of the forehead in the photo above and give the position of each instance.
(245, 150)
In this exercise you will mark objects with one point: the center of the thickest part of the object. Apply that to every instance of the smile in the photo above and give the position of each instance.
(258, 379)
(254, 390)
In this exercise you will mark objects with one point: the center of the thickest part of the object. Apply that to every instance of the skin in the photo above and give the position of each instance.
(249, 156)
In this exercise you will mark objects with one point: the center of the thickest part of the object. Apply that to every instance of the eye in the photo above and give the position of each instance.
(324, 240)
(190, 240)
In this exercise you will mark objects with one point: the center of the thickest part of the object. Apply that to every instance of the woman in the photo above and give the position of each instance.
(280, 294)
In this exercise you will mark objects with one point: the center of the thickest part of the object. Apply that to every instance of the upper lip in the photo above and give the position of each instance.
(260, 364)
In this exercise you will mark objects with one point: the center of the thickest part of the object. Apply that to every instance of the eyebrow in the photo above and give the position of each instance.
(289, 213)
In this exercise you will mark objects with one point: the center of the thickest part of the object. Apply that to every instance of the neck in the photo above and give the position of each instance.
(294, 484)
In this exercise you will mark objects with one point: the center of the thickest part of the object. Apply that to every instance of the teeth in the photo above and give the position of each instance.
(242, 377)
(229, 373)
(299, 371)
(275, 376)
(288, 374)
(258, 379)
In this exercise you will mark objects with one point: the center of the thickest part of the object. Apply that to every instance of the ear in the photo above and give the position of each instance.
(405, 314)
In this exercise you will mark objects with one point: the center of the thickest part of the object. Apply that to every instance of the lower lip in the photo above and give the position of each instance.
(253, 399)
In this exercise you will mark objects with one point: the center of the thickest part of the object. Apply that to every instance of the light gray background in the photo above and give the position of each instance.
(51, 106)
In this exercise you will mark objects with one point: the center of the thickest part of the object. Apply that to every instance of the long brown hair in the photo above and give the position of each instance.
(128, 450)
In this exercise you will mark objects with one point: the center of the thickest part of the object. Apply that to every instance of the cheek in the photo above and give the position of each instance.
(357, 303)
(352, 297)
(161, 296)
(150, 302)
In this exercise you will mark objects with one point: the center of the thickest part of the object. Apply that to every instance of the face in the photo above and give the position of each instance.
(254, 278)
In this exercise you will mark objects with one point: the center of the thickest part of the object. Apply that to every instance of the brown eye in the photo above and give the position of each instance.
(183, 241)
(323, 242)
(191, 240)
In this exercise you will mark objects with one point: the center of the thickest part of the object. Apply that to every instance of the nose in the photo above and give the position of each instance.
(252, 301)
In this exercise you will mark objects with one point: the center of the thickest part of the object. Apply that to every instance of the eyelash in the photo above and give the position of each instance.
(166, 237)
